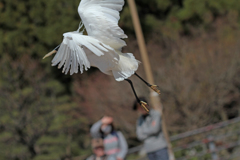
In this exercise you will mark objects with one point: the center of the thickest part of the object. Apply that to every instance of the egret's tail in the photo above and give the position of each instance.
(126, 67)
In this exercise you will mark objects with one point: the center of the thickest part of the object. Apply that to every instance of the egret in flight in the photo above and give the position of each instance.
(102, 46)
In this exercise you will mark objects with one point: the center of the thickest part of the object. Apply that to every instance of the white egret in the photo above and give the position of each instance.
(102, 46)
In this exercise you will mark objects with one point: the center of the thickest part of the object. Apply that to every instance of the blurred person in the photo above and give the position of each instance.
(98, 150)
(115, 144)
(148, 130)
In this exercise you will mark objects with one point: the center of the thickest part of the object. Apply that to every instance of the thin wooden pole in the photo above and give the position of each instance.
(155, 100)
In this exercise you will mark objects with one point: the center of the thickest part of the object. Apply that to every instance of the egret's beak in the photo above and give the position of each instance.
(49, 54)
(52, 52)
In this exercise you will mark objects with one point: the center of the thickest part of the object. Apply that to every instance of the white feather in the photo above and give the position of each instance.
(72, 55)
(101, 48)
(100, 18)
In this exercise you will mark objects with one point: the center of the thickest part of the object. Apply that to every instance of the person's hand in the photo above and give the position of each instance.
(107, 120)
(119, 158)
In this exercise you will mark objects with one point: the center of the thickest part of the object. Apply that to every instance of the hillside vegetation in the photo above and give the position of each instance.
(194, 50)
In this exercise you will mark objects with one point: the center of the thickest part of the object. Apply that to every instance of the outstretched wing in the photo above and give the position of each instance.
(72, 55)
(100, 18)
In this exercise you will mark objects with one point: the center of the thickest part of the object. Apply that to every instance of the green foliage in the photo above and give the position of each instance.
(172, 18)
(36, 117)
(39, 118)
(34, 26)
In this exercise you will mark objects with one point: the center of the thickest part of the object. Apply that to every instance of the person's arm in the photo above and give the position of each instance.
(95, 129)
(154, 127)
(123, 146)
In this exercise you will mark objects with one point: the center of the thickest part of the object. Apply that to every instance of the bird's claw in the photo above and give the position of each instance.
(155, 88)
(144, 106)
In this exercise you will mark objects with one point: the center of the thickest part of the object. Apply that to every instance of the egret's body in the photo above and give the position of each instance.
(102, 47)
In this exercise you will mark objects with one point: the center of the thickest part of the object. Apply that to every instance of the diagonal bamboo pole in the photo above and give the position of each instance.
(155, 101)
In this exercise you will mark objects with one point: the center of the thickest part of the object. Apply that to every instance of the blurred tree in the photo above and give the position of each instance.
(34, 27)
(200, 79)
(43, 112)
(38, 120)
(171, 18)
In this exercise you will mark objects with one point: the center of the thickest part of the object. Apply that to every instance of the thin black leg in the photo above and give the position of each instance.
(149, 85)
(142, 103)
(130, 82)
(153, 87)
